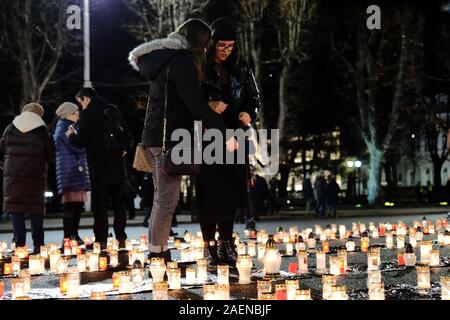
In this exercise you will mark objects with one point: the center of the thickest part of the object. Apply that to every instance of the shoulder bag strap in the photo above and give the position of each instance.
(165, 109)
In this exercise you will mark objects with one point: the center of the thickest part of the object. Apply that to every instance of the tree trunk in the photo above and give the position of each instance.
(437, 167)
(376, 156)
(282, 103)
(255, 54)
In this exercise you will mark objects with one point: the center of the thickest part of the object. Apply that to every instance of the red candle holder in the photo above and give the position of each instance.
(293, 267)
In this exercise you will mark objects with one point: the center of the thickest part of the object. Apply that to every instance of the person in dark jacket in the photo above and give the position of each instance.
(25, 149)
(320, 187)
(332, 195)
(72, 174)
(259, 193)
(232, 93)
(308, 192)
(106, 166)
(179, 58)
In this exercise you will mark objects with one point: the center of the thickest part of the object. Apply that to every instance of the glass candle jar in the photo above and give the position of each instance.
(300, 246)
(136, 255)
(302, 258)
(401, 257)
(17, 288)
(311, 243)
(373, 277)
(73, 285)
(93, 262)
(328, 281)
(291, 289)
(241, 248)
(185, 255)
(63, 283)
(62, 266)
(202, 274)
(7, 268)
(67, 247)
(244, 265)
(34, 265)
(26, 276)
(81, 262)
(364, 244)
(137, 276)
(375, 234)
(261, 250)
(410, 259)
(413, 240)
(434, 258)
(267, 296)
(325, 246)
(350, 245)
(223, 274)
(342, 253)
(321, 261)
(174, 278)
(303, 294)
(103, 263)
(209, 292)
(222, 292)
(335, 265)
(44, 252)
(376, 291)
(124, 282)
(15, 262)
(115, 280)
(160, 291)
(445, 287)
(400, 241)
(289, 248)
(389, 240)
(157, 269)
(113, 258)
(96, 247)
(280, 291)
(373, 260)
(263, 286)
(425, 251)
(342, 231)
(251, 248)
(338, 292)
(190, 275)
(423, 277)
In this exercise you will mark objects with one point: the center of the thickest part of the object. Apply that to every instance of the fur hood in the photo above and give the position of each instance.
(174, 41)
(27, 121)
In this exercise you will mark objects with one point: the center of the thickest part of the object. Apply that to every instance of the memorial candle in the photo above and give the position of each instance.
(244, 265)
(190, 275)
(302, 258)
(335, 265)
(223, 274)
(376, 291)
(222, 292)
(251, 247)
(280, 291)
(7, 269)
(25, 275)
(325, 246)
(389, 240)
(263, 286)
(321, 262)
(115, 280)
(93, 262)
(174, 278)
(425, 251)
(81, 262)
(74, 247)
(373, 260)
(350, 245)
(291, 289)
(17, 288)
(202, 274)
(114, 258)
(67, 247)
(124, 282)
(96, 247)
(137, 276)
(303, 294)
(103, 263)
(160, 291)
(157, 269)
(338, 292)
(15, 262)
(401, 257)
(63, 284)
(434, 258)
(364, 244)
(445, 287)
(327, 282)
(241, 248)
(61, 266)
(423, 277)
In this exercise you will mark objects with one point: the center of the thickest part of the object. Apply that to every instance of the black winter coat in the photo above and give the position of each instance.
(186, 101)
(105, 168)
(26, 156)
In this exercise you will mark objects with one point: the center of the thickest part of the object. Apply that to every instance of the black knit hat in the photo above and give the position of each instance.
(222, 29)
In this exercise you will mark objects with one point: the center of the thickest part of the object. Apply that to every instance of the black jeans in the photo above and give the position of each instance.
(225, 230)
(20, 234)
(100, 201)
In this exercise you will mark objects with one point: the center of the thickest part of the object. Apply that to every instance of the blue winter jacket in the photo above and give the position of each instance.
(72, 173)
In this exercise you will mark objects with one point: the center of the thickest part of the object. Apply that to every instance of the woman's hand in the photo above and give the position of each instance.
(232, 144)
(70, 131)
(245, 118)
(217, 106)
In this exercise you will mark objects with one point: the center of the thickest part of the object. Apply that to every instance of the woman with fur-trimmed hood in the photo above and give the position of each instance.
(182, 56)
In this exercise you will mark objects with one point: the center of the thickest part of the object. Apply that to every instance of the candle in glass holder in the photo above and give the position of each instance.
(137, 276)
(335, 265)
(303, 294)
(241, 248)
(222, 292)
(400, 241)
(160, 291)
(202, 274)
(87, 241)
(364, 244)
(128, 245)
(54, 257)
(157, 269)
(251, 247)
(244, 265)
(223, 274)
(103, 263)
(445, 287)
(185, 255)
(95, 295)
(311, 241)
(34, 264)
(325, 246)
(26, 276)
(267, 296)
(209, 292)
(63, 284)
(124, 282)
(299, 244)
(73, 285)
(263, 286)
(67, 247)
(81, 263)
(73, 247)
(7, 268)
(280, 291)
(342, 231)
(61, 266)
(423, 277)
(446, 238)
(93, 262)
(271, 260)
(389, 240)
(342, 253)
(15, 262)
(261, 250)
(302, 258)
(434, 258)
(373, 277)
(425, 251)
(373, 260)
(136, 255)
(441, 238)
(17, 288)
(327, 282)
(413, 241)
(350, 245)
(291, 289)
(190, 275)
(114, 258)
(174, 278)
(376, 291)
(381, 230)
(321, 261)
(338, 292)
(44, 252)
(410, 259)
(401, 257)
(289, 248)
(115, 280)
(96, 248)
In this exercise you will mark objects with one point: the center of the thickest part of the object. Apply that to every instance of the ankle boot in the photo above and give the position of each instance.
(227, 252)
(210, 253)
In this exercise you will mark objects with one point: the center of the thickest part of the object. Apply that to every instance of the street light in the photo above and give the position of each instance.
(87, 45)
(350, 163)
(357, 163)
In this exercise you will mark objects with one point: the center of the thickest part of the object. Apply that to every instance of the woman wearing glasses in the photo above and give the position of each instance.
(232, 93)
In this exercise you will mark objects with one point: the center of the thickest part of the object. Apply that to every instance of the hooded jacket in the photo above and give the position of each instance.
(25, 147)
(72, 172)
(186, 101)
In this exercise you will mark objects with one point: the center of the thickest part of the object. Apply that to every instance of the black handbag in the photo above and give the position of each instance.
(167, 163)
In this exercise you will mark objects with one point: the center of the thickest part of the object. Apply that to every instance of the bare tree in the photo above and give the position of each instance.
(252, 13)
(369, 70)
(35, 35)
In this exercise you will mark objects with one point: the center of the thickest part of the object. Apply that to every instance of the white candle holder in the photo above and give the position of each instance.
(174, 278)
(185, 255)
(81, 262)
(271, 260)
(202, 274)
(321, 261)
(327, 282)
(222, 292)
(335, 265)
(61, 266)
(17, 288)
(251, 247)
(137, 276)
(124, 282)
(373, 260)
(373, 277)
(289, 248)
(26, 276)
(376, 291)
(350, 245)
(423, 277)
(160, 291)
(445, 287)
(263, 286)
(157, 269)
(434, 258)
(113, 258)
(209, 292)
(73, 285)
(400, 241)
(410, 259)
(338, 292)
(425, 251)
(389, 240)
(303, 294)
(190, 275)
(223, 274)
(291, 289)
(93, 259)
(244, 265)
(302, 258)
